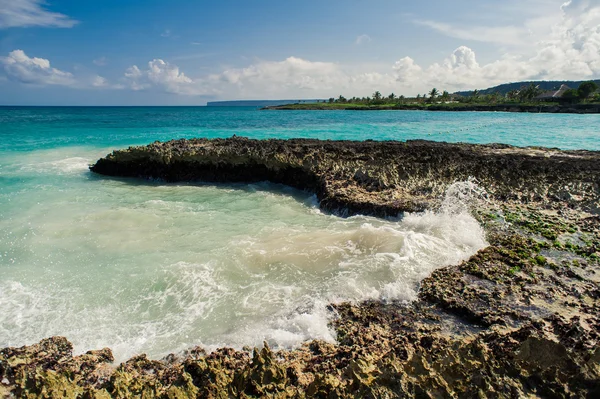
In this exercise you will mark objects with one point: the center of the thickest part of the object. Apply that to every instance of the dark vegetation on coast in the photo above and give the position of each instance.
(527, 98)
(520, 318)
(543, 85)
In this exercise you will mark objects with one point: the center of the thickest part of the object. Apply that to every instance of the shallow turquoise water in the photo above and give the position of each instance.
(27, 128)
(156, 268)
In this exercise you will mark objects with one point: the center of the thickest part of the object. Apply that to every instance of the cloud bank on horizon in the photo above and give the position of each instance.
(568, 47)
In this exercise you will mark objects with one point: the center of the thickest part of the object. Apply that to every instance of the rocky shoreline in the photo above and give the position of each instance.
(519, 318)
(529, 108)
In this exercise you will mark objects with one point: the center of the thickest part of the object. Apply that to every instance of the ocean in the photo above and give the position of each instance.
(149, 267)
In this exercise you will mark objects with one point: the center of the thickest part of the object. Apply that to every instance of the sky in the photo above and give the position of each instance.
(176, 52)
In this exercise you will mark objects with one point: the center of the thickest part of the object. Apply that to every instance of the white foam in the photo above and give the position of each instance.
(57, 161)
(67, 165)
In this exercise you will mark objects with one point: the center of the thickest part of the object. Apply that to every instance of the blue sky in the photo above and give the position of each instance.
(188, 52)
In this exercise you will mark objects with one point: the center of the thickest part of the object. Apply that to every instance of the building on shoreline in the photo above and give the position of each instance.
(553, 95)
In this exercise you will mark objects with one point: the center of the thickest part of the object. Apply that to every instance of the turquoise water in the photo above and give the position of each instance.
(27, 128)
(157, 268)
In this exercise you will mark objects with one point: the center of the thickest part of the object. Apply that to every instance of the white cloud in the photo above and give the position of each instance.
(166, 33)
(408, 72)
(571, 50)
(292, 72)
(162, 75)
(99, 81)
(26, 13)
(293, 77)
(36, 71)
(363, 39)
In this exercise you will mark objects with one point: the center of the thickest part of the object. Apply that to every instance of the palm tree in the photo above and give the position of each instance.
(513, 94)
(392, 96)
(341, 99)
(445, 96)
(433, 93)
(530, 92)
(377, 96)
(474, 96)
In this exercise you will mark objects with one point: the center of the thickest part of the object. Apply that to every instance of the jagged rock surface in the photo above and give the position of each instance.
(380, 178)
(520, 318)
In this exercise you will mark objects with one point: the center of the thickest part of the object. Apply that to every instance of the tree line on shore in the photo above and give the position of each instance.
(586, 92)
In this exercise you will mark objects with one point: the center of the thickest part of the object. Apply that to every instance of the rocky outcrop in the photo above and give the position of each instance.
(379, 178)
(520, 318)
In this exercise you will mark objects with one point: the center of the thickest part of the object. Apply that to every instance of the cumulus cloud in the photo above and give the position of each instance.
(99, 81)
(163, 75)
(573, 49)
(294, 78)
(36, 71)
(570, 51)
(291, 72)
(408, 72)
(27, 13)
(363, 39)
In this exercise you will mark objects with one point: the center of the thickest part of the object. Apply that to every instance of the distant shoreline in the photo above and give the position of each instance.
(529, 108)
